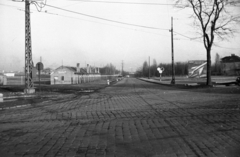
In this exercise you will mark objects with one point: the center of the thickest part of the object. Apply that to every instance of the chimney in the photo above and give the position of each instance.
(87, 68)
(90, 69)
(78, 68)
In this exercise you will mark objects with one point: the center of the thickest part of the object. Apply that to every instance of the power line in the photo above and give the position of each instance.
(109, 20)
(182, 35)
(193, 39)
(127, 23)
(124, 2)
(102, 23)
(11, 6)
(46, 12)
(226, 47)
(137, 3)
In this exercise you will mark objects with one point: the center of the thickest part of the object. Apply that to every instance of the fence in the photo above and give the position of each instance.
(46, 79)
(20, 80)
(79, 79)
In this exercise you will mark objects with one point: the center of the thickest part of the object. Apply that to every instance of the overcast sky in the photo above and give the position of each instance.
(60, 36)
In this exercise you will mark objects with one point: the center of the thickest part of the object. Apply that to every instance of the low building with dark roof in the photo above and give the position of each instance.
(74, 75)
(230, 65)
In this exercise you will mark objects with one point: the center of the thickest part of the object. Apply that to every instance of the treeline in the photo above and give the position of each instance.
(109, 69)
(216, 67)
(181, 69)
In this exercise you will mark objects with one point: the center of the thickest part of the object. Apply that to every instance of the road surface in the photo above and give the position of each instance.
(129, 118)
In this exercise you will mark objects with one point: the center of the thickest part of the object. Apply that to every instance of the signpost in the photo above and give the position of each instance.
(39, 67)
(160, 70)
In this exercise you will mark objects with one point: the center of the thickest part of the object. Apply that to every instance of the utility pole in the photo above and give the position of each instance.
(122, 67)
(28, 69)
(173, 67)
(149, 67)
(28, 52)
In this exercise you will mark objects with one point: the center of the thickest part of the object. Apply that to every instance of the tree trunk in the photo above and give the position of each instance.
(209, 81)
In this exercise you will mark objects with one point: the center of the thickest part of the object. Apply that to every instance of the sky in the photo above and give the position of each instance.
(67, 32)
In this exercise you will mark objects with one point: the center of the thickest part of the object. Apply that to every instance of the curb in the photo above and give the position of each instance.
(178, 85)
(18, 106)
(161, 83)
(20, 96)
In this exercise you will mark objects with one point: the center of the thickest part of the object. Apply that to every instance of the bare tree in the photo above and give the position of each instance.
(145, 69)
(154, 68)
(213, 18)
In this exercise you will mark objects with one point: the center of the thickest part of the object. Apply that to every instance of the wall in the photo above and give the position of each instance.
(71, 78)
(230, 68)
(56, 76)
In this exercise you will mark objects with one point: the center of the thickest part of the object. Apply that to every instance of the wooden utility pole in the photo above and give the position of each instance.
(173, 67)
(149, 67)
(122, 67)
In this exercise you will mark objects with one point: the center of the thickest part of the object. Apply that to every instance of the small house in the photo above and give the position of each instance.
(74, 75)
(230, 65)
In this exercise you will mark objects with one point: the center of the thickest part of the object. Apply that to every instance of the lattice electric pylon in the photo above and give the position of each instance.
(28, 48)
(28, 43)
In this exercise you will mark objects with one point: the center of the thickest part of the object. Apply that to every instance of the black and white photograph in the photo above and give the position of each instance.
(120, 78)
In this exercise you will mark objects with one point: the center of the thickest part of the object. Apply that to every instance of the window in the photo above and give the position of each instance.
(62, 78)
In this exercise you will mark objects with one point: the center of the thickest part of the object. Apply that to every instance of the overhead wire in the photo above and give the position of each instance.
(96, 17)
(233, 48)
(182, 35)
(6, 5)
(123, 2)
(103, 23)
(194, 39)
(114, 21)
(138, 3)
(40, 5)
(105, 19)
(46, 12)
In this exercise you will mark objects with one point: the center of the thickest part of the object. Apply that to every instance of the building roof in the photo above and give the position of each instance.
(73, 69)
(82, 71)
(229, 59)
(67, 67)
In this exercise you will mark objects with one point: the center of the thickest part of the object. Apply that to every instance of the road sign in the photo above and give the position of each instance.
(39, 66)
(160, 70)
